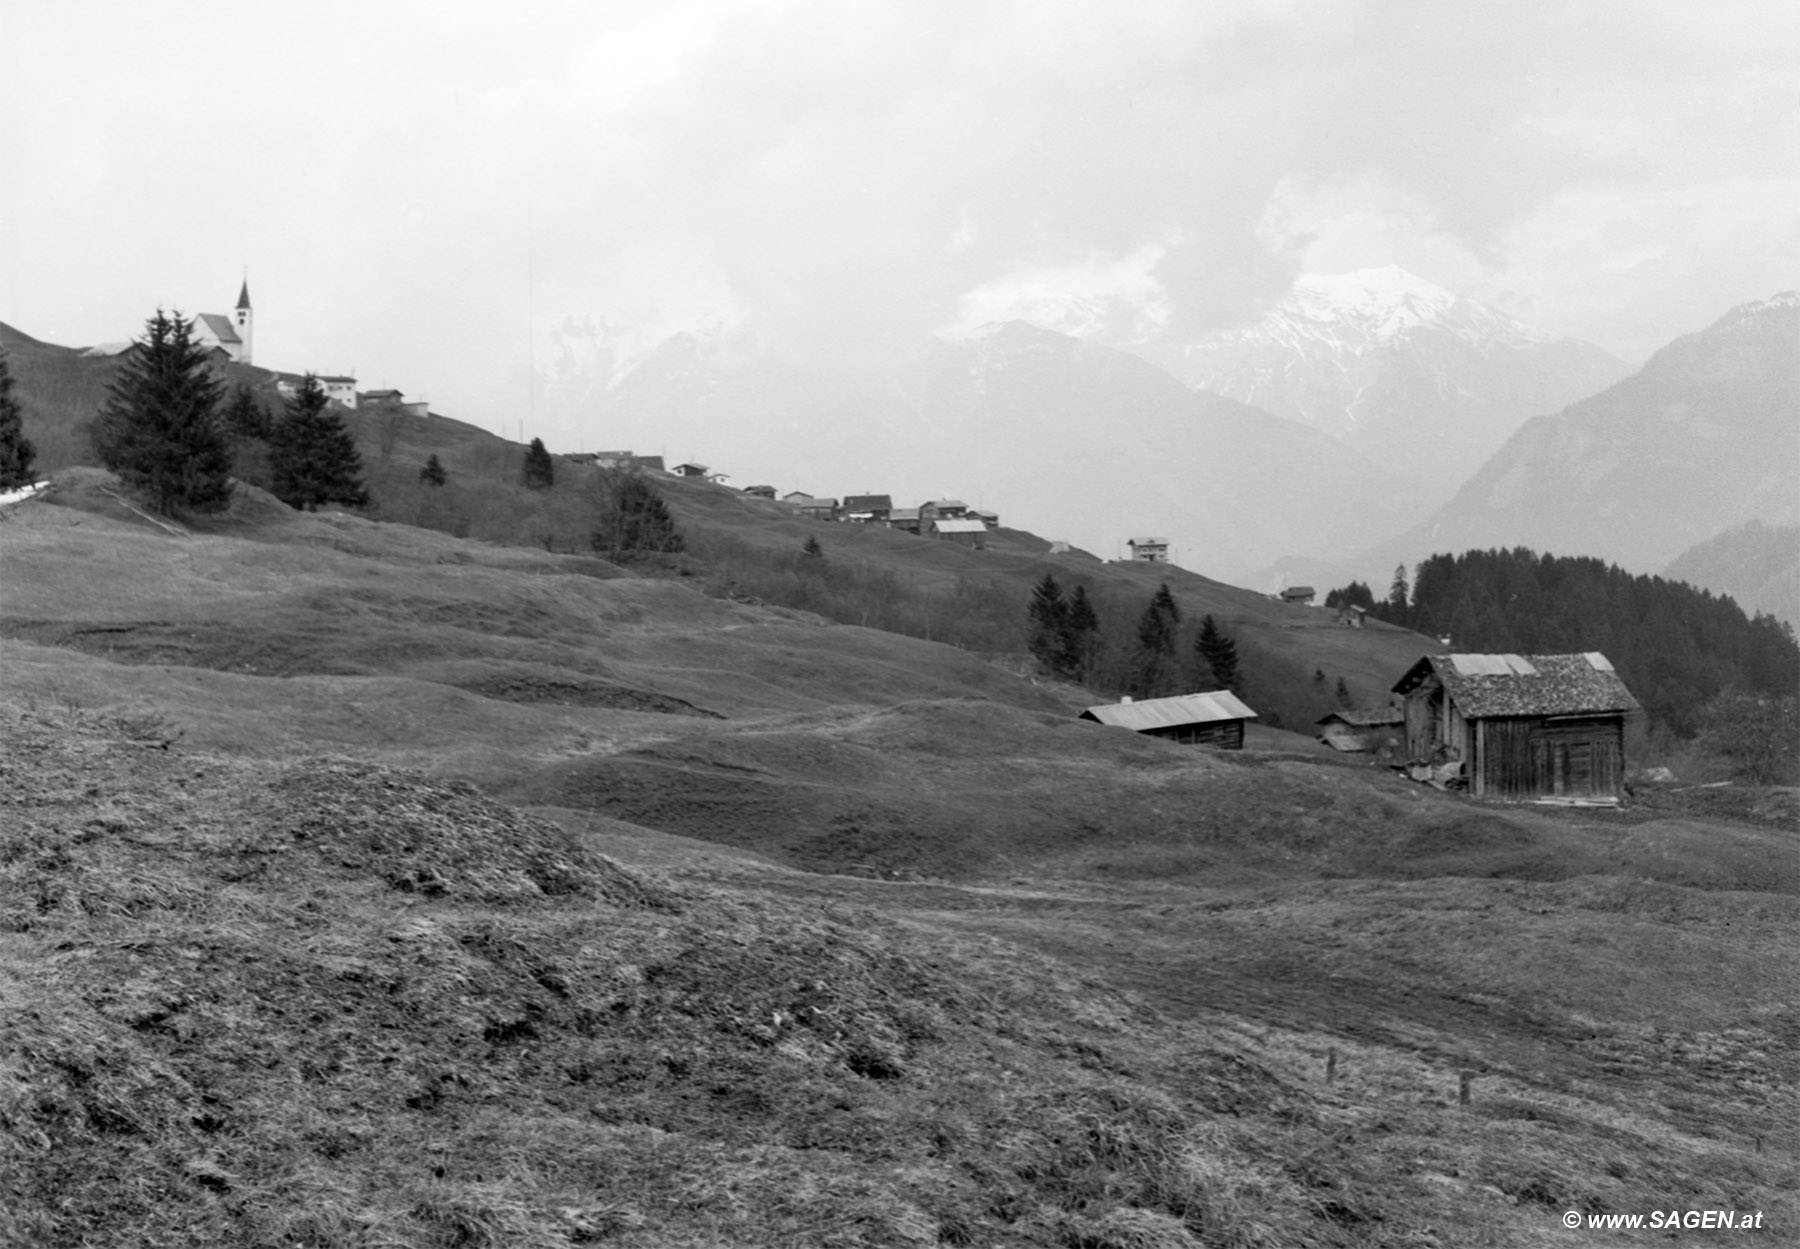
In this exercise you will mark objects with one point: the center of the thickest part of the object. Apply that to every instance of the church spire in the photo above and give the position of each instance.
(246, 323)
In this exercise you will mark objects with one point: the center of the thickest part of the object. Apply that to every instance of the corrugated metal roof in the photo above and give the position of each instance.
(1147, 542)
(1492, 665)
(1525, 685)
(958, 526)
(1169, 713)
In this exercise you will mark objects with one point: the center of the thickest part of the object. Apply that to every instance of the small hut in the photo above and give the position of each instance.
(1211, 719)
(1357, 729)
(1520, 728)
(965, 531)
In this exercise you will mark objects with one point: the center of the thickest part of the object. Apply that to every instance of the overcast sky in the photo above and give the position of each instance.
(420, 189)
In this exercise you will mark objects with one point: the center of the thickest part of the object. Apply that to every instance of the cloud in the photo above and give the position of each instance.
(417, 188)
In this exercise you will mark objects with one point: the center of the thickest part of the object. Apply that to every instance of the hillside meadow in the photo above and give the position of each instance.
(367, 885)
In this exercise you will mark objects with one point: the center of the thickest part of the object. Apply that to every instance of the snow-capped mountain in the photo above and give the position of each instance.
(1701, 439)
(1062, 436)
(1397, 367)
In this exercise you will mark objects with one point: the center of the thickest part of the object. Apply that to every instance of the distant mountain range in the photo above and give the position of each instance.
(1071, 439)
(1756, 564)
(1703, 438)
(1386, 392)
(1404, 371)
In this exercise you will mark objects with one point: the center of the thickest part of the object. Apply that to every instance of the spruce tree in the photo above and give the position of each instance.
(244, 417)
(433, 473)
(16, 451)
(1345, 699)
(1081, 639)
(812, 549)
(1049, 625)
(312, 456)
(637, 522)
(539, 472)
(1398, 593)
(1153, 671)
(1219, 653)
(159, 428)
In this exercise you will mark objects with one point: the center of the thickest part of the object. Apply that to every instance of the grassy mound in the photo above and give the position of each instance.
(332, 1004)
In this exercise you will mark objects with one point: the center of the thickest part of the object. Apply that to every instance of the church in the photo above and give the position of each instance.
(234, 334)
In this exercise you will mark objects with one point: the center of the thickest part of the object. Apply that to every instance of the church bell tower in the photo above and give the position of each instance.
(246, 323)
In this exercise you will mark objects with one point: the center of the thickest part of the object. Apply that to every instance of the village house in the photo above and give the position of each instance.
(905, 519)
(990, 519)
(967, 531)
(1519, 728)
(868, 509)
(760, 492)
(811, 508)
(1149, 550)
(339, 388)
(942, 509)
(1358, 729)
(693, 471)
(1301, 594)
(1216, 718)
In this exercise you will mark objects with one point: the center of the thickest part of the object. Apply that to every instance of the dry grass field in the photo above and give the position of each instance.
(365, 886)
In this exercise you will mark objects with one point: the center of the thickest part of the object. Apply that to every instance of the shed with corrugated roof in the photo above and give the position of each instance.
(1521, 728)
(1215, 718)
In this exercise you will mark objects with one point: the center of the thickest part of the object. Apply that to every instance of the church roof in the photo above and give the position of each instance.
(244, 295)
(220, 326)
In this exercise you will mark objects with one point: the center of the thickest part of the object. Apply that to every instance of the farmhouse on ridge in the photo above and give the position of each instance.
(1211, 719)
(1521, 728)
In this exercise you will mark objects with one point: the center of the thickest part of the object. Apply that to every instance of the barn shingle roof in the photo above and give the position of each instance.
(1524, 685)
(1365, 717)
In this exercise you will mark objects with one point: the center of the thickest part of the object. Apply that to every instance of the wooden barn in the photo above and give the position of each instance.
(1212, 719)
(1358, 729)
(1522, 728)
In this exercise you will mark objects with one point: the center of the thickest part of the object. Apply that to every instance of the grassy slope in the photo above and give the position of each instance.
(254, 996)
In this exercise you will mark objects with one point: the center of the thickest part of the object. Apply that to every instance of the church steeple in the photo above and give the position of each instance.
(246, 322)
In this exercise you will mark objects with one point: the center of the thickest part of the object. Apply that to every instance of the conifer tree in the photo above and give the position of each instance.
(812, 549)
(539, 472)
(635, 521)
(1344, 698)
(433, 474)
(312, 456)
(1082, 636)
(16, 451)
(1218, 652)
(1153, 672)
(1049, 625)
(244, 417)
(1398, 592)
(159, 429)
